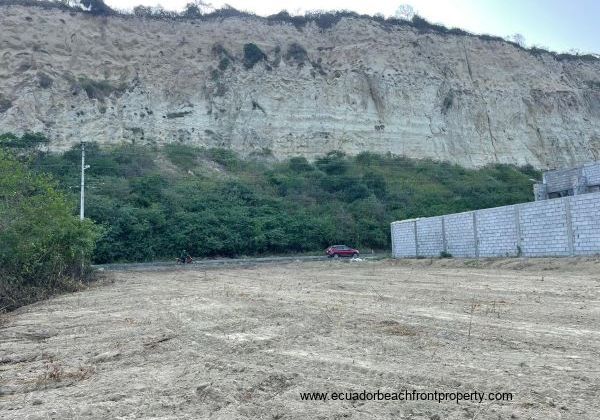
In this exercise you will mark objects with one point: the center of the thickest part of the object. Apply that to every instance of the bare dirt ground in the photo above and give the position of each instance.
(244, 342)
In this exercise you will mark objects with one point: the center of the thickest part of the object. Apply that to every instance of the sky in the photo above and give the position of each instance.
(558, 25)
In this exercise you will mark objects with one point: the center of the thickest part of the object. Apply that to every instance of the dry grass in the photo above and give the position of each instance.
(396, 328)
(55, 372)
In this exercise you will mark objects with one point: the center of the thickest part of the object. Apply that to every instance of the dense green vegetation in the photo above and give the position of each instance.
(43, 247)
(153, 202)
(252, 55)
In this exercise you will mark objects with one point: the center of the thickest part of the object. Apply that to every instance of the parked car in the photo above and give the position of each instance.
(336, 251)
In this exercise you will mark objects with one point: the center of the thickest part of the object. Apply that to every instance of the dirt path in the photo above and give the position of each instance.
(244, 342)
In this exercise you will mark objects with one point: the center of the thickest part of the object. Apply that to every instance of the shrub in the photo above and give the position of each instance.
(220, 51)
(447, 103)
(296, 53)
(224, 157)
(99, 89)
(181, 114)
(182, 155)
(191, 11)
(224, 63)
(284, 17)
(299, 164)
(334, 163)
(252, 55)
(44, 80)
(369, 158)
(27, 142)
(43, 247)
(327, 20)
(143, 11)
(5, 104)
(376, 183)
(227, 12)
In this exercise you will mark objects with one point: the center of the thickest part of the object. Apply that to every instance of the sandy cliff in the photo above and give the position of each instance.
(360, 86)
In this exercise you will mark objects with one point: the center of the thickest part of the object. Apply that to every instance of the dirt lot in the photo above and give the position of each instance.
(244, 342)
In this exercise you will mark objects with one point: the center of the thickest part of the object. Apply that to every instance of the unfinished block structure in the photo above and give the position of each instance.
(564, 226)
(566, 182)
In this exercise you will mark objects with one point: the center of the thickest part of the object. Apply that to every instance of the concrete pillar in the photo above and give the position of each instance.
(540, 192)
(518, 227)
(416, 239)
(444, 244)
(569, 223)
(581, 187)
(475, 237)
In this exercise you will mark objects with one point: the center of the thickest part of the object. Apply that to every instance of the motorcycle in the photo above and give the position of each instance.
(188, 260)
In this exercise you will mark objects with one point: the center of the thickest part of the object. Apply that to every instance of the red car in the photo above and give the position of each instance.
(337, 251)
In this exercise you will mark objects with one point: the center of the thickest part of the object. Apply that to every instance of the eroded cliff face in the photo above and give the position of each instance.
(359, 87)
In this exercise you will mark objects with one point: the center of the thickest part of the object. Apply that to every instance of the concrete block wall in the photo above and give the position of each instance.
(592, 173)
(585, 222)
(561, 180)
(460, 234)
(556, 227)
(544, 228)
(430, 241)
(497, 231)
(567, 182)
(404, 237)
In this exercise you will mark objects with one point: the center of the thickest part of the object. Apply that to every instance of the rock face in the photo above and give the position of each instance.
(358, 86)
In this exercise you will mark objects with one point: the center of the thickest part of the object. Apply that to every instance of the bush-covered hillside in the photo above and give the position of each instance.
(156, 201)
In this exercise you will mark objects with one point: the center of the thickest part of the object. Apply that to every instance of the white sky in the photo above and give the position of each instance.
(557, 24)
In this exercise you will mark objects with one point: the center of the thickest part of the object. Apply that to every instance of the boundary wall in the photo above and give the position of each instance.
(566, 226)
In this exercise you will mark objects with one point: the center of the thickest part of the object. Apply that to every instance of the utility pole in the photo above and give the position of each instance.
(83, 168)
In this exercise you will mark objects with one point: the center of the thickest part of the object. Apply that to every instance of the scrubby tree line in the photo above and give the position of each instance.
(44, 248)
(154, 201)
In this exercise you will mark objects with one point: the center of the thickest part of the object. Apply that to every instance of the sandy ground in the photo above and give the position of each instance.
(244, 342)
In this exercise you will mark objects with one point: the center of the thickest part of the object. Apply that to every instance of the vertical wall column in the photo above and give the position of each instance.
(444, 240)
(518, 227)
(416, 238)
(475, 236)
(569, 223)
(403, 239)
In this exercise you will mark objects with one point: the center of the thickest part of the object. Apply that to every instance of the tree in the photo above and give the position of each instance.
(142, 11)
(405, 12)
(518, 39)
(43, 246)
(192, 11)
(28, 142)
(197, 8)
(252, 55)
(97, 7)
